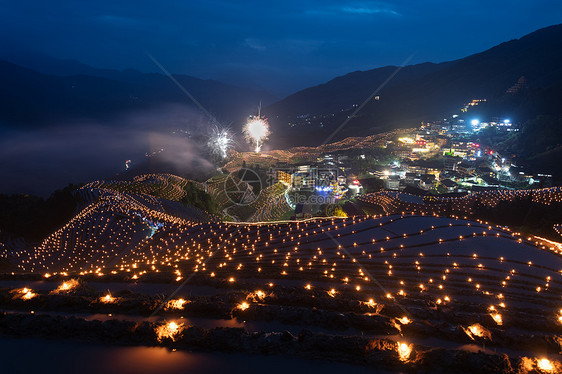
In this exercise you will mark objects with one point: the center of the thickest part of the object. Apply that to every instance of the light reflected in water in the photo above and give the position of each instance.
(50, 356)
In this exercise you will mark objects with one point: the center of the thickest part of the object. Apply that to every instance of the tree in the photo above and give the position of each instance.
(333, 210)
(198, 198)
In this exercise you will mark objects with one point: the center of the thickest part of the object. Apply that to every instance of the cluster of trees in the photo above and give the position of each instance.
(200, 199)
(34, 218)
(333, 210)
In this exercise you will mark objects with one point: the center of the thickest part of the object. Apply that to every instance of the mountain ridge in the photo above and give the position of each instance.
(420, 92)
(31, 99)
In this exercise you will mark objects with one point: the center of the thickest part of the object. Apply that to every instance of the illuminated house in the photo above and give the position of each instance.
(393, 182)
(450, 163)
(411, 178)
(466, 168)
(450, 185)
(490, 181)
(427, 181)
(460, 148)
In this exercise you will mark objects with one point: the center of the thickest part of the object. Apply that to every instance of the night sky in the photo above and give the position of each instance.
(281, 47)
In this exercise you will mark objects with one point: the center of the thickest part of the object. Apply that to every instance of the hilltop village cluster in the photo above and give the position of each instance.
(442, 157)
(437, 158)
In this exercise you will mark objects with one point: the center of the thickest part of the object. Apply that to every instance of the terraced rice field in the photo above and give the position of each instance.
(403, 292)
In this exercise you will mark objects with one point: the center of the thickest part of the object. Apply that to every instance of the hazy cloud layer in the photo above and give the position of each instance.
(39, 161)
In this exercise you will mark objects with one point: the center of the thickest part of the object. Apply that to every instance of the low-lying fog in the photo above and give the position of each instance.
(38, 161)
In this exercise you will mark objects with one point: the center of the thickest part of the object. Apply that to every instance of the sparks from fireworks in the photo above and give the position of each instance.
(256, 131)
(220, 141)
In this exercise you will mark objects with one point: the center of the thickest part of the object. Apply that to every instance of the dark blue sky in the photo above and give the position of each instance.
(281, 46)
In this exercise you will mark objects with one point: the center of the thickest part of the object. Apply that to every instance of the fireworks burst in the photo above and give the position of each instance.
(256, 131)
(220, 141)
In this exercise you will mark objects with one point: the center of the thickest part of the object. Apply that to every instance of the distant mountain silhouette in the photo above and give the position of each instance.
(45, 64)
(30, 98)
(426, 92)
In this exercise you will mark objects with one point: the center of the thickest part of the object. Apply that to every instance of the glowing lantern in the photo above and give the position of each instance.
(545, 365)
(497, 318)
(243, 306)
(28, 295)
(169, 330)
(404, 351)
(67, 286)
(24, 293)
(477, 330)
(404, 320)
(176, 304)
(107, 299)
